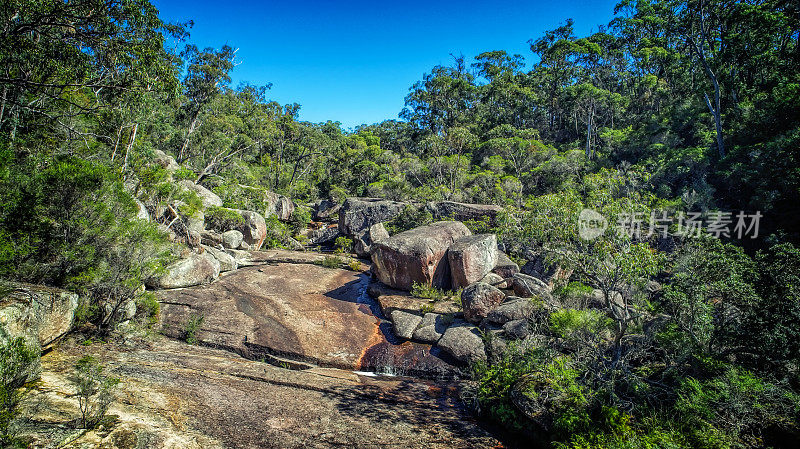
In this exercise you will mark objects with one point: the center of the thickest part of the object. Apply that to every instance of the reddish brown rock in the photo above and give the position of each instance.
(307, 313)
(417, 255)
(471, 258)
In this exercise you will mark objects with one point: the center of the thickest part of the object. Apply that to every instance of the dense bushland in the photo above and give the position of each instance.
(680, 106)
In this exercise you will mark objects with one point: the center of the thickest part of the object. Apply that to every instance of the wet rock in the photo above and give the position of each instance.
(304, 312)
(358, 214)
(505, 267)
(404, 323)
(431, 328)
(479, 299)
(463, 341)
(194, 270)
(471, 258)
(232, 239)
(417, 255)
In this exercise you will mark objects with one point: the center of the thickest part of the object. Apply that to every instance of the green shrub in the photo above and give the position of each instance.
(191, 327)
(149, 306)
(410, 218)
(427, 308)
(94, 389)
(223, 219)
(17, 362)
(567, 323)
(344, 245)
(183, 173)
(354, 265)
(424, 291)
(331, 262)
(300, 219)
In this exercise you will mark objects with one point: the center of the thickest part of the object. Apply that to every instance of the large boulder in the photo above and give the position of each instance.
(38, 314)
(166, 161)
(417, 255)
(505, 267)
(326, 209)
(194, 270)
(479, 299)
(471, 258)
(463, 342)
(404, 323)
(358, 214)
(362, 243)
(208, 197)
(514, 308)
(254, 229)
(279, 205)
(232, 239)
(450, 210)
(528, 286)
(324, 235)
(431, 328)
(226, 261)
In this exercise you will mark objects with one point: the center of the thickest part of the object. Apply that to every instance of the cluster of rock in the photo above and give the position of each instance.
(496, 299)
(214, 249)
(362, 219)
(491, 316)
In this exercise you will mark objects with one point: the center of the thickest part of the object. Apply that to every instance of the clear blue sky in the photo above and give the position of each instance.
(353, 62)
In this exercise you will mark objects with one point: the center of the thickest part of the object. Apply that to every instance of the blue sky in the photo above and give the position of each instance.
(353, 62)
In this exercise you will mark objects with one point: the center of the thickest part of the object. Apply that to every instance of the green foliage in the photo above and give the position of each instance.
(354, 265)
(332, 262)
(17, 364)
(193, 324)
(223, 219)
(566, 323)
(149, 305)
(344, 245)
(411, 217)
(94, 389)
(424, 291)
(496, 383)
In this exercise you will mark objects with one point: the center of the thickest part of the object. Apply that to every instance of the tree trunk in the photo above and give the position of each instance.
(130, 145)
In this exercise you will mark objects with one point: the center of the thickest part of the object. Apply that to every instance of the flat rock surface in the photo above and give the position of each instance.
(302, 312)
(173, 395)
